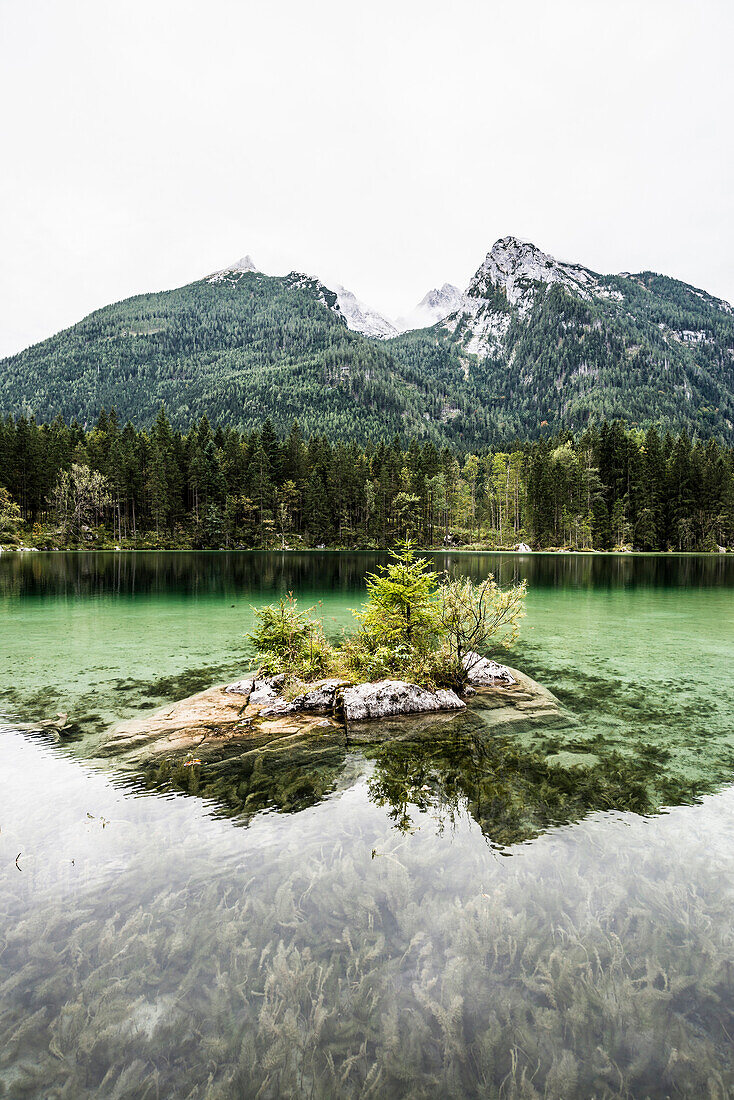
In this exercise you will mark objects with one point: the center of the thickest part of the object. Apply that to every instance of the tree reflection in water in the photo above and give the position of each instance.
(514, 791)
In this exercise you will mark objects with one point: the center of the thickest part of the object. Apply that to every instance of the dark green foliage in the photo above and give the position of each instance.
(645, 347)
(515, 792)
(238, 351)
(649, 349)
(220, 488)
(241, 784)
(287, 640)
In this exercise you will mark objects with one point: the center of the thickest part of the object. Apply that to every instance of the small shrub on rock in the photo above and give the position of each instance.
(288, 640)
(413, 626)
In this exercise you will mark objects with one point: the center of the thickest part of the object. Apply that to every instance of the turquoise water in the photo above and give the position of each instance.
(473, 916)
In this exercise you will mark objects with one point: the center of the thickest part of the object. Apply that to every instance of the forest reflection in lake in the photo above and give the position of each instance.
(222, 572)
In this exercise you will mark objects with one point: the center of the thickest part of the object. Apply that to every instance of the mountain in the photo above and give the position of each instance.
(532, 344)
(240, 346)
(563, 344)
(436, 306)
(361, 318)
(358, 316)
(240, 268)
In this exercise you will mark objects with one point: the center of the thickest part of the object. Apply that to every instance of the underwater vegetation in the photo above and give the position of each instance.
(182, 684)
(327, 954)
(119, 695)
(529, 915)
(513, 791)
(241, 783)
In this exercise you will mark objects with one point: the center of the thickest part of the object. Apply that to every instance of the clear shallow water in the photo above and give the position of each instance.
(461, 918)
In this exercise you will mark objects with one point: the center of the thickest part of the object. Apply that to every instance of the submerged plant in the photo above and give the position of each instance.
(334, 958)
(512, 791)
(286, 777)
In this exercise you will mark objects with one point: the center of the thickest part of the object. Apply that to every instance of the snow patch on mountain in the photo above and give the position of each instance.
(234, 271)
(362, 318)
(434, 307)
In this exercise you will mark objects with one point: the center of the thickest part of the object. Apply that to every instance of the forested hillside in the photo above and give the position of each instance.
(211, 488)
(558, 345)
(535, 346)
(651, 352)
(241, 349)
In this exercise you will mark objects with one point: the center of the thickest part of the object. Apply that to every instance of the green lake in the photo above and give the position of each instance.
(539, 912)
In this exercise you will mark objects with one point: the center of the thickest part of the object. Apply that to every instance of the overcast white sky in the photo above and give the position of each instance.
(382, 144)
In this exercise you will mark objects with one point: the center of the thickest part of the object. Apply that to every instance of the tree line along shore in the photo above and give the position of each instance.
(64, 486)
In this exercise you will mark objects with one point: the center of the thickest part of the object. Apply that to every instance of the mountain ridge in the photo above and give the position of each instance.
(531, 343)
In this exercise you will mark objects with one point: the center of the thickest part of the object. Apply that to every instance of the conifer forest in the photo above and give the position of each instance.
(218, 487)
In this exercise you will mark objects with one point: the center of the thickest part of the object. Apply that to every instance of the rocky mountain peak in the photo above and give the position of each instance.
(515, 266)
(245, 264)
(440, 296)
(241, 267)
(435, 306)
(362, 318)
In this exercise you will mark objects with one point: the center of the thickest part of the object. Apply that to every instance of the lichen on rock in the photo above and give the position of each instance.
(386, 698)
(484, 672)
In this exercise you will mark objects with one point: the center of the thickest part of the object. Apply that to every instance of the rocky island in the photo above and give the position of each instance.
(408, 669)
(257, 711)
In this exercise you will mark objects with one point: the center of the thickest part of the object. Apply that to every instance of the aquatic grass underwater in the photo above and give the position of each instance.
(177, 956)
(494, 915)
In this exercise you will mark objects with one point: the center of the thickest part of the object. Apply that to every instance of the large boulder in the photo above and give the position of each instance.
(257, 689)
(262, 692)
(385, 698)
(320, 698)
(485, 673)
(209, 723)
(277, 709)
